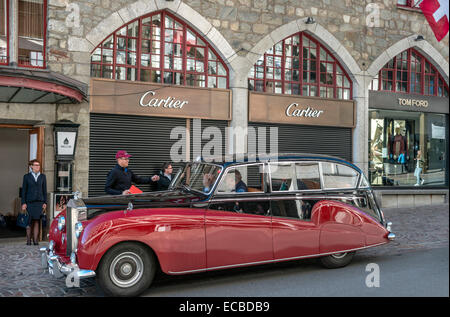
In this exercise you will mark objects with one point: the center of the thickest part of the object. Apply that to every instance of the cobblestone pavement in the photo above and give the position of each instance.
(21, 274)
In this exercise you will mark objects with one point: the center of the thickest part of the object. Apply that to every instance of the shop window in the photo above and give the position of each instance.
(408, 148)
(4, 47)
(300, 65)
(159, 48)
(32, 29)
(410, 72)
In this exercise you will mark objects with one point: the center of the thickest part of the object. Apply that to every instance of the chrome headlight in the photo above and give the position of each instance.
(78, 229)
(61, 223)
(73, 258)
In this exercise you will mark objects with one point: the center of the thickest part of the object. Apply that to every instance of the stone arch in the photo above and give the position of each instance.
(319, 32)
(141, 7)
(423, 46)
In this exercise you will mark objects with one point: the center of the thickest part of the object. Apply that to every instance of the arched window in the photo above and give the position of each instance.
(410, 72)
(300, 65)
(159, 48)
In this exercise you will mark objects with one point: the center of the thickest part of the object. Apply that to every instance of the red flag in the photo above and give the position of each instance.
(436, 13)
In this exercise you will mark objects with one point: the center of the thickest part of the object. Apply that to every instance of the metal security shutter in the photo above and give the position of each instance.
(205, 124)
(309, 139)
(146, 138)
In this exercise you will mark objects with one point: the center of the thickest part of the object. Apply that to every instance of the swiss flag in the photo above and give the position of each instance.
(436, 13)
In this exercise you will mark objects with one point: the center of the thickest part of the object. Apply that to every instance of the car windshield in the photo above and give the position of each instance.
(197, 176)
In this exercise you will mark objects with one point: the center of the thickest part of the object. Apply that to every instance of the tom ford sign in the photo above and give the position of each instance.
(407, 102)
(290, 109)
(150, 99)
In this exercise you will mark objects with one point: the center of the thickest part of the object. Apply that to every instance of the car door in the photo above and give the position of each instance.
(238, 224)
(295, 188)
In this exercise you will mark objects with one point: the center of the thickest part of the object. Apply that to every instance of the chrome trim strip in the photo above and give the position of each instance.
(273, 261)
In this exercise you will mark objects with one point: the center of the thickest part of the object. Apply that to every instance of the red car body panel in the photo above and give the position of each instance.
(176, 236)
(194, 239)
(236, 238)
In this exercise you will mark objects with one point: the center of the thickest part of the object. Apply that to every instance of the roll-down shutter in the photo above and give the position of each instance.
(146, 138)
(308, 139)
(208, 138)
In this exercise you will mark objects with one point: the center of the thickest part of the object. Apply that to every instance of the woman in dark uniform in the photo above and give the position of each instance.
(34, 199)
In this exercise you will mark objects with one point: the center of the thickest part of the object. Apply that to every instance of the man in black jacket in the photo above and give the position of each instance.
(120, 177)
(165, 177)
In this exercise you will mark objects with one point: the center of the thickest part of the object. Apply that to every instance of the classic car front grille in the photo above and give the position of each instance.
(71, 220)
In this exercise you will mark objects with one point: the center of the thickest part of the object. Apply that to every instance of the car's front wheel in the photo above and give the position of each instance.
(337, 260)
(127, 269)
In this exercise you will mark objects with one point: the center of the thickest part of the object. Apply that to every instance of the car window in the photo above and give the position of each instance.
(338, 176)
(308, 175)
(242, 179)
(364, 183)
(293, 208)
(295, 176)
(282, 175)
(260, 208)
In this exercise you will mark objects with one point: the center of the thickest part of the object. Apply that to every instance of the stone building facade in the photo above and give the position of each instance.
(362, 35)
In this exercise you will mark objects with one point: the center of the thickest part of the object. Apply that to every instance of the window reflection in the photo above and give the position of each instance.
(408, 148)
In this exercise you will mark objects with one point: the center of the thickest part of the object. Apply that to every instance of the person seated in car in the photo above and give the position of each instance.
(240, 187)
(208, 181)
(234, 182)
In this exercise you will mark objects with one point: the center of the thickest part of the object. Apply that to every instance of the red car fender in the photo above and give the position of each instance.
(340, 227)
(345, 227)
(172, 234)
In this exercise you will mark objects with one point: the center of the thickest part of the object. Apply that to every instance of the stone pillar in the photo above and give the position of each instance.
(361, 131)
(237, 142)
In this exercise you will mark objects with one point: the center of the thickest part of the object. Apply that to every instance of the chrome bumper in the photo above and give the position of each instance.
(59, 269)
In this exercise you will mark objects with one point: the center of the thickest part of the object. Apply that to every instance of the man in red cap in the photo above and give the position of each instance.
(120, 177)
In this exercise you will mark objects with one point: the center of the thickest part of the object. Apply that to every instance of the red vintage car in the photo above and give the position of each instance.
(217, 216)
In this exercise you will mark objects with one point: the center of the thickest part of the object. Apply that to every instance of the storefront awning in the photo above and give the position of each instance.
(21, 85)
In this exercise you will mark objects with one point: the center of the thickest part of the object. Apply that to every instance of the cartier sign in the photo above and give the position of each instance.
(290, 109)
(169, 102)
(151, 99)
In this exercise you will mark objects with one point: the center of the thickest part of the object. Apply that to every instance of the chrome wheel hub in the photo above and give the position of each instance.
(126, 269)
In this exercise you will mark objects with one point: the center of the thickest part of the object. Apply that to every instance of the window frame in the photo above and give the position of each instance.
(324, 188)
(298, 190)
(44, 44)
(409, 5)
(235, 166)
(422, 62)
(7, 57)
(164, 16)
(252, 78)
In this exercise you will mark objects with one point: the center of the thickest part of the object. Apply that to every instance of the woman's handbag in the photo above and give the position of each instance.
(44, 220)
(23, 219)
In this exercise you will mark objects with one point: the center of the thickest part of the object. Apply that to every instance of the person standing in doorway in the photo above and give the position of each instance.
(165, 177)
(34, 199)
(120, 178)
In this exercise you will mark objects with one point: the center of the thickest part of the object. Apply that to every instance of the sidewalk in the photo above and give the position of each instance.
(21, 275)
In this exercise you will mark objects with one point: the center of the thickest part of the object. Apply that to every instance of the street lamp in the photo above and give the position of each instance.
(66, 135)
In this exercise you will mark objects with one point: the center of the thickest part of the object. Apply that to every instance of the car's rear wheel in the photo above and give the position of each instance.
(127, 269)
(337, 260)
